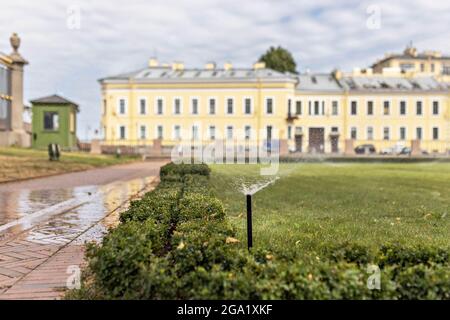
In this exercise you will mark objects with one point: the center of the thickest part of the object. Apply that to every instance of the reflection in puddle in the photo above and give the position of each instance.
(97, 201)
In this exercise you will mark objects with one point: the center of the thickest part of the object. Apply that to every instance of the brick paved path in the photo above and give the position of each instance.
(34, 263)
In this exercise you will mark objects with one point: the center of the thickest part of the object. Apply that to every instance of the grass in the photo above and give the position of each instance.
(314, 205)
(18, 164)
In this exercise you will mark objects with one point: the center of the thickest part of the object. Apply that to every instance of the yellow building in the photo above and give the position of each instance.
(329, 113)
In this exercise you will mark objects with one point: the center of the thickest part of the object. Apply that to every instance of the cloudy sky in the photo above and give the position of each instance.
(69, 52)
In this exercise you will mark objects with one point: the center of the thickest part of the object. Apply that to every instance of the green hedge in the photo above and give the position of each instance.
(176, 243)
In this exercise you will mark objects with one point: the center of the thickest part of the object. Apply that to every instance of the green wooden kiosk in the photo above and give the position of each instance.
(54, 121)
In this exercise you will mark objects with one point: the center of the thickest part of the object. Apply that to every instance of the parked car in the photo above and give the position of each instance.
(406, 151)
(365, 149)
(396, 149)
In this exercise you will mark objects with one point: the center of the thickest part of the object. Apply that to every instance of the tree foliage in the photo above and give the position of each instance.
(279, 59)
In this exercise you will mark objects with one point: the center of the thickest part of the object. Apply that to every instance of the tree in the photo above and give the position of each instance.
(279, 59)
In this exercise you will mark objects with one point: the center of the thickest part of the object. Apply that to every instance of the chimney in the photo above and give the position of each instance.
(259, 65)
(228, 66)
(177, 66)
(210, 66)
(153, 62)
(337, 74)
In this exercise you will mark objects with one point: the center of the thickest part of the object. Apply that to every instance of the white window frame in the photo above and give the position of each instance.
(139, 132)
(125, 105)
(373, 107)
(139, 106)
(337, 106)
(197, 138)
(216, 106)
(210, 132)
(119, 132)
(400, 107)
(266, 99)
(367, 133)
(421, 133)
(156, 131)
(174, 135)
(226, 132)
(350, 109)
(173, 106)
(350, 133)
(243, 106)
(226, 106)
(400, 133)
(245, 132)
(432, 107)
(389, 133)
(389, 101)
(191, 102)
(163, 106)
(423, 108)
(438, 133)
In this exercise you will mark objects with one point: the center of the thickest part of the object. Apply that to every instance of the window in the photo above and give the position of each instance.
(230, 106)
(122, 106)
(419, 133)
(194, 132)
(334, 108)
(402, 133)
(269, 132)
(212, 132)
(446, 69)
(353, 133)
(177, 132)
(370, 108)
(334, 129)
(407, 66)
(230, 132)
(269, 106)
(316, 108)
(72, 122)
(177, 106)
(402, 108)
(422, 67)
(432, 67)
(298, 107)
(309, 107)
(289, 133)
(435, 133)
(103, 107)
(142, 132)
(159, 132)
(51, 121)
(435, 107)
(369, 133)
(194, 106)
(247, 106)
(386, 108)
(159, 106)
(354, 108)
(386, 133)
(122, 132)
(419, 108)
(248, 132)
(142, 106)
(212, 106)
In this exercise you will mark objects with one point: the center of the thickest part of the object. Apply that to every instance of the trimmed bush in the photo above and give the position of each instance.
(184, 169)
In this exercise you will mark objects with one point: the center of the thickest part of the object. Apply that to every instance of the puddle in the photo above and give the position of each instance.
(39, 211)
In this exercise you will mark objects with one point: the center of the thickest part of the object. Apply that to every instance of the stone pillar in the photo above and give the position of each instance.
(349, 149)
(284, 148)
(415, 148)
(157, 148)
(96, 148)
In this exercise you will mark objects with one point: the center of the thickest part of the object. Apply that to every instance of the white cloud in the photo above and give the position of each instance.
(117, 36)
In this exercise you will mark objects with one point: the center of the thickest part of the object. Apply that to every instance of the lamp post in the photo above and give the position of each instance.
(249, 222)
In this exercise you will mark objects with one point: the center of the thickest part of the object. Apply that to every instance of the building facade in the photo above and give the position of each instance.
(54, 121)
(307, 113)
(12, 131)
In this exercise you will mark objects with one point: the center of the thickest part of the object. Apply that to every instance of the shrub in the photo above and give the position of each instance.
(183, 169)
(395, 254)
(199, 206)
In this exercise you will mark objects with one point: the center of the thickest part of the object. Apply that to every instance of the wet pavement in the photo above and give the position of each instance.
(44, 218)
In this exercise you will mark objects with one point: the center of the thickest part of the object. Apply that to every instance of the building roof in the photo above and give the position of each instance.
(169, 75)
(53, 99)
(392, 84)
(318, 83)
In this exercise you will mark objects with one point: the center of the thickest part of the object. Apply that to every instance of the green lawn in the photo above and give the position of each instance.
(314, 205)
(21, 163)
